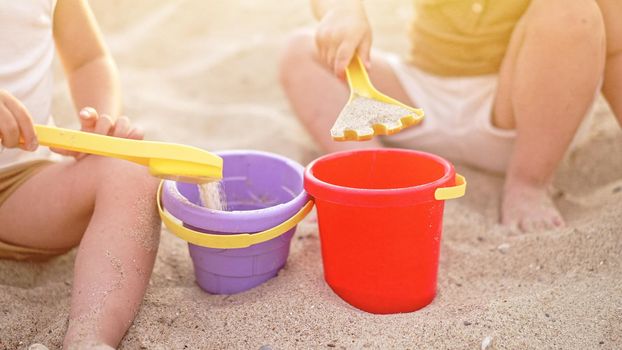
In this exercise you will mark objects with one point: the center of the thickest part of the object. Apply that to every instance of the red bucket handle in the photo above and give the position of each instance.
(457, 191)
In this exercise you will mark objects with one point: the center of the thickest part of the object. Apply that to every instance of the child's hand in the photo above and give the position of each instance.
(343, 32)
(16, 126)
(103, 124)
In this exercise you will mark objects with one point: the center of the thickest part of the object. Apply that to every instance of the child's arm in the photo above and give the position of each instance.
(343, 32)
(91, 72)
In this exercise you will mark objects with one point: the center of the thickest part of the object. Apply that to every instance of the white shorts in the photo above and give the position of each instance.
(457, 123)
(458, 118)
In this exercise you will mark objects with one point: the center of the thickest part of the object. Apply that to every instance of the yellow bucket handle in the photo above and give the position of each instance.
(241, 240)
(457, 191)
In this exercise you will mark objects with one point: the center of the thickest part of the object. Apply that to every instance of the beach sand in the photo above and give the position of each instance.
(204, 73)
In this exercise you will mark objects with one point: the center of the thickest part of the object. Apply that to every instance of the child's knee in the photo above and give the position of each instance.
(298, 47)
(125, 177)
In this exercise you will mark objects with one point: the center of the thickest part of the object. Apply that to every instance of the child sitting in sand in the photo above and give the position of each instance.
(504, 84)
(47, 206)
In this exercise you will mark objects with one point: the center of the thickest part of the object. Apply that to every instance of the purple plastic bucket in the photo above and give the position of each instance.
(262, 190)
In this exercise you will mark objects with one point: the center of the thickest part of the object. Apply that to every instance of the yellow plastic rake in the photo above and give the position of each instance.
(365, 127)
(164, 160)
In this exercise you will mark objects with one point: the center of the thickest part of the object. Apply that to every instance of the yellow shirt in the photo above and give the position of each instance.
(463, 37)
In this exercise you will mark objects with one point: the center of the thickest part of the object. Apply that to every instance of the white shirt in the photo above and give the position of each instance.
(26, 54)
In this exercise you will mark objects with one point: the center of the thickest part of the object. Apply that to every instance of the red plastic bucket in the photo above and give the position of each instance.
(380, 214)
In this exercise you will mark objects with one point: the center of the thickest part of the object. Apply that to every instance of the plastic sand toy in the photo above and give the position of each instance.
(241, 248)
(368, 111)
(380, 214)
(164, 160)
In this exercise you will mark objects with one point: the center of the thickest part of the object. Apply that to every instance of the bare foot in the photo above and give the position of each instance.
(529, 208)
(89, 345)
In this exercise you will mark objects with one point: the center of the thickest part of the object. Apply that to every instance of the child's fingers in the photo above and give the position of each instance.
(88, 121)
(320, 42)
(121, 127)
(331, 54)
(103, 125)
(328, 42)
(323, 56)
(364, 50)
(344, 56)
(137, 133)
(24, 123)
(64, 152)
(9, 130)
(88, 118)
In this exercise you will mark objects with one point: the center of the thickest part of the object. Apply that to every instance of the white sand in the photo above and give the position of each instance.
(204, 73)
(362, 113)
(212, 195)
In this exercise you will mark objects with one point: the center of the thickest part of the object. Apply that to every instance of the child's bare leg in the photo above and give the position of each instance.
(612, 85)
(548, 81)
(110, 206)
(317, 95)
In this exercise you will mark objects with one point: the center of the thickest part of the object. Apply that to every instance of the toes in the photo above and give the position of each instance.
(558, 222)
(527, 226)
(539, 224)
(510, 223)
(530, 211)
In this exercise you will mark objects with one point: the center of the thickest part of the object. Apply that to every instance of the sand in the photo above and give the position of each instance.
(212, 195)
(203, 73)
(361, 115)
